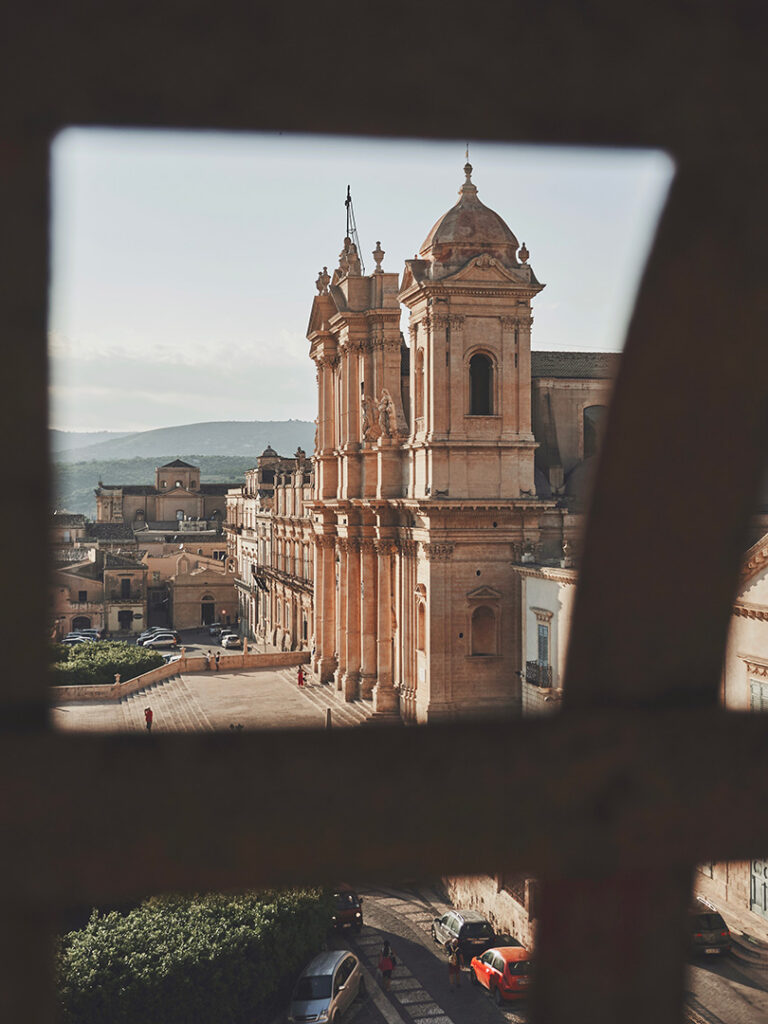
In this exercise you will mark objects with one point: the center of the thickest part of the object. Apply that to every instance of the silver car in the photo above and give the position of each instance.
(327, 987)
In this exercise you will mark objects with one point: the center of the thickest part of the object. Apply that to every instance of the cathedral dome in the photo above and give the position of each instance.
(470, 228)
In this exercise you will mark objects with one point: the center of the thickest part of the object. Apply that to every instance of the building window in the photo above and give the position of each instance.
(483, 630)
(418, 399)
(125, 588)
(179, 514)
(82, 596)
(206, 610)
(542, 633)
(480, 386)
(758, 695)
(593, 423)
(421, 627)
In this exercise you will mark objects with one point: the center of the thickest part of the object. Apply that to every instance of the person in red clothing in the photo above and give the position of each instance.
(148, 718)
(301, 676)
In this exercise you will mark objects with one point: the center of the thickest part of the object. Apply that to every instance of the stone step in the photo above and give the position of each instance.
(325, 695)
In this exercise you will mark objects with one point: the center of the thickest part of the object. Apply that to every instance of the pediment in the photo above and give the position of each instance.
(484, 594)
(755, 561)
(485, 269)
(323, 308)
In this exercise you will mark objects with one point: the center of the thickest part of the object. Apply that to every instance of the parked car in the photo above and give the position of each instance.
(349, 909)
(214, 629)
(231, 640)
(161, 640)
(504, 970)
(89, 634)
(328, 986)
(171, 657)
(77, 638)
(473, 932)
(709, 934)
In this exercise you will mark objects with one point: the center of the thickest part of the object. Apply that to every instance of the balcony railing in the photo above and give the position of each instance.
(538, 674)
(132, 597)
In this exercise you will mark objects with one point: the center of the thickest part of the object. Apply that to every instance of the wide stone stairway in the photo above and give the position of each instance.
(174, 706)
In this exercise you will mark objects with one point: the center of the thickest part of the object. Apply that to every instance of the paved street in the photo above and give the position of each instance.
(718, 992)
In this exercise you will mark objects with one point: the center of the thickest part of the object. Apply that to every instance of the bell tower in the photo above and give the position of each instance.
(469, 293)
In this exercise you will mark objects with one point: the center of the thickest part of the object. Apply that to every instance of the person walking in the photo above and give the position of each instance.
(207, 661)
(386, 965)
(148, 718)
(454, 964)
(300, 676)
(217, 659)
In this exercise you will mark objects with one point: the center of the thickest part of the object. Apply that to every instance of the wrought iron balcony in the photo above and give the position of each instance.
(538, 674)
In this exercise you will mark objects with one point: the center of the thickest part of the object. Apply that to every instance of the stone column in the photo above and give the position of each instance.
(325, 635)
(369, 616)
(385, 699)
(351, 681)
(341, 613)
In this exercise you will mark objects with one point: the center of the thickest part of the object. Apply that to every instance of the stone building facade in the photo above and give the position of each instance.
(425, 486)
(177, 494)
(270, 541)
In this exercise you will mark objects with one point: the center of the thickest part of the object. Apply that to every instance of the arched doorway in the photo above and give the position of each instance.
(81, 622)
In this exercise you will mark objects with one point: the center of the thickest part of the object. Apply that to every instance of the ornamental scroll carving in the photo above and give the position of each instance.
(325, 540)
(438, 552)
(452, 320)
(385, 548)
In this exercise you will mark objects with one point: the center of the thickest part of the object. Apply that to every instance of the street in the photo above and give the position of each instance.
(717, 992)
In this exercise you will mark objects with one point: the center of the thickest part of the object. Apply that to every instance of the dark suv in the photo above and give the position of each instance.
(472, 930)
(708, 932)
(349, 909)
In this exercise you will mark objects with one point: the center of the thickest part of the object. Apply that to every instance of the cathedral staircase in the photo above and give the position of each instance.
(325, 695)
(175, 708)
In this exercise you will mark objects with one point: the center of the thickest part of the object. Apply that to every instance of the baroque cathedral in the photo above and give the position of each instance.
(439, 466)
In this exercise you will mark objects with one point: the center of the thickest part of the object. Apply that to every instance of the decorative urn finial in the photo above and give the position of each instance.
(523, 253)
(468, 172)
(323, 280)
(378, 255)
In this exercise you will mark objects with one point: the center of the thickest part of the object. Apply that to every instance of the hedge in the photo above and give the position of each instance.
(210, 959)
(95, 663)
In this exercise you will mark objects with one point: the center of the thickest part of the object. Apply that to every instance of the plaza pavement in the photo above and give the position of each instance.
(216, 700)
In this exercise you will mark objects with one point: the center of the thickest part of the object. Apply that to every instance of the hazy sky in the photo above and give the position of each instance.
(183, 264)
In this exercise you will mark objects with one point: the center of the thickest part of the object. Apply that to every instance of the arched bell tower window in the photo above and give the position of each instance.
(480, 385)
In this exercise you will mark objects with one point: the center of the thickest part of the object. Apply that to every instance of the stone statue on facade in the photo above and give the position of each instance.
(387, 414)
(323, 280)
(370, 426)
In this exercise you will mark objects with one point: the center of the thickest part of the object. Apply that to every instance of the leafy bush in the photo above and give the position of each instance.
(95, 664)
(190, 960)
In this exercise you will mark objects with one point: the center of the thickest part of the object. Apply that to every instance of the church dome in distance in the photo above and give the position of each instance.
(470, 228)
(269, 453)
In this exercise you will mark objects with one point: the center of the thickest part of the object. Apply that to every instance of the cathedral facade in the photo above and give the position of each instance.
(425, 486)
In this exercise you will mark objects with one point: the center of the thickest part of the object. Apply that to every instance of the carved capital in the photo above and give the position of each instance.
(325, 540)
(409, 547)
(438, 552)
(342, 543)
(509, 323)
(367, 544)
(385, 548)
(328, 362)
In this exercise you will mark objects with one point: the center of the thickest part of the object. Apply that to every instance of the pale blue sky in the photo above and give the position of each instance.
(183, 264)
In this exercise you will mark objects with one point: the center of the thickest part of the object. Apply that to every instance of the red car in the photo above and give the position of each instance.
(504, 970)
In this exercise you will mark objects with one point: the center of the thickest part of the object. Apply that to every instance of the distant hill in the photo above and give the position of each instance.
(223, 451)
(235, 437)
(61, 440)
